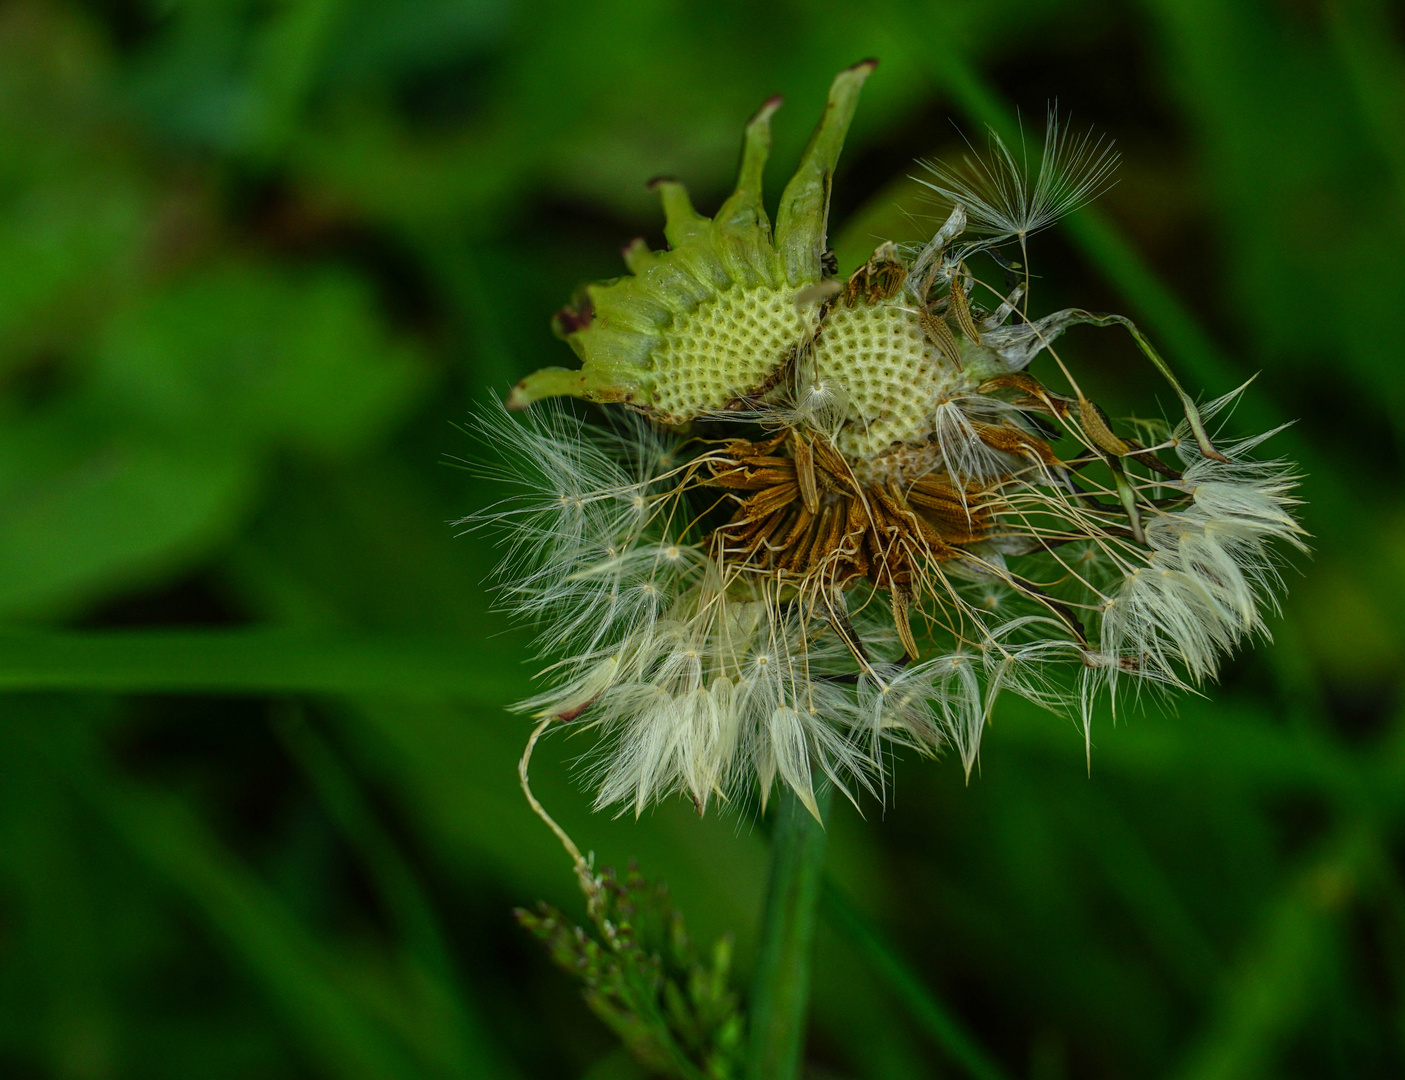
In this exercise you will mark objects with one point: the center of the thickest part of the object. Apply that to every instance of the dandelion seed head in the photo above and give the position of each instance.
(827, 517)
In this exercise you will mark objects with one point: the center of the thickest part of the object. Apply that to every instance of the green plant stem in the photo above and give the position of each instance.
(781, 990)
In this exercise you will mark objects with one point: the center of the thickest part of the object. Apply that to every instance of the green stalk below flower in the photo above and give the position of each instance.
(781, 989)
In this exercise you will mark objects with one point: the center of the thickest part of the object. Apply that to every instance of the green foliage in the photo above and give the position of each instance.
(644, 977)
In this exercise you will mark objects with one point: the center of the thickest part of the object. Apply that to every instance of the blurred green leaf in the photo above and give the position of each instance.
(261, 661)
(934, 1016)
(158, 450)
(1276, 980)
(253, 357)
(93, 507)
(75, 205)
(445, 1010)
(348, 1020)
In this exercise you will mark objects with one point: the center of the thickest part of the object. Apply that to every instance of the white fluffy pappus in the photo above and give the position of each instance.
(696, 685)
(1004, 197)
(1211, 569)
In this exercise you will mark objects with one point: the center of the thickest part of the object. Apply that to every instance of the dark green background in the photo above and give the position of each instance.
(258, 803)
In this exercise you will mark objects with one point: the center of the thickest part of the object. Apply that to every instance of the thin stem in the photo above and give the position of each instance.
(590, 886)
(781, 989)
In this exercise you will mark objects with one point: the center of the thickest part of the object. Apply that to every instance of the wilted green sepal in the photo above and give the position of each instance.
(638, 256)
(743, 231)
(682, 224)
(803, 219)
(710, 321)
(744, 212)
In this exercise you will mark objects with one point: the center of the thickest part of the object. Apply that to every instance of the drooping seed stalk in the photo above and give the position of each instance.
(780, 995)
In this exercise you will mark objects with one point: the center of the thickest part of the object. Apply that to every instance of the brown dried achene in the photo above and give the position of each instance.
(877, 280)
(811, 522)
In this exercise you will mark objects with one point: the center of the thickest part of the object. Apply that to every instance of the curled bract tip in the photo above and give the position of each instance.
(633, 334)
(768, 108)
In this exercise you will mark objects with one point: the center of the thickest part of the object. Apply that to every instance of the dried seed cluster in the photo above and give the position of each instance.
(812, 523)
(847, 512)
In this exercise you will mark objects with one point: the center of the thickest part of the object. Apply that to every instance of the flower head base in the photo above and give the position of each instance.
(843, 513)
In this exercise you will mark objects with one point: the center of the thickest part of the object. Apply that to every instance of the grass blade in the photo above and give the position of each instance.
(295, 970)
(465, 1048)
(945, 1030)
(259, 661)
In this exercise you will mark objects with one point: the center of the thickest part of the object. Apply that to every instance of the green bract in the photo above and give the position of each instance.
(714, 318)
